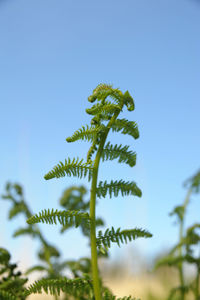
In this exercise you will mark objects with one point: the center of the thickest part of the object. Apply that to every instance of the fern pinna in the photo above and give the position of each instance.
(108, 103)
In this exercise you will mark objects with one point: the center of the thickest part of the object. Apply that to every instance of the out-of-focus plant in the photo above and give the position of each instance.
(109, 104)
(186, 250)
(49, 255)
(11, 280)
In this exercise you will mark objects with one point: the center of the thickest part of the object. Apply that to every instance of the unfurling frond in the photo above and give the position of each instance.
(65, 217)
(111, 152)
(119, 236)
(103, 108)
(87, 133)
(54, 286)
(102, 91)
(126, 127)
(71, 168)
(114, 187)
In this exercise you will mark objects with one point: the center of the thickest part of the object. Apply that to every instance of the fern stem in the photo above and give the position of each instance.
(95, 271)
(181, 274)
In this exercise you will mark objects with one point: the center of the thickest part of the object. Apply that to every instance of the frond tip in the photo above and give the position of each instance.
(114, 187)
(65, 217)
(71, 168)
(119, 236)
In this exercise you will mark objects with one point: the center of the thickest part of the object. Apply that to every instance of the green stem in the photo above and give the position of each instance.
(95, 271)
(181, 275)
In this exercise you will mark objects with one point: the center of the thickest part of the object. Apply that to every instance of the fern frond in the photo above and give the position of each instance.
(103, 108)
(71, 168)
(87, 133)
(17, 208)
(170, 261)
(65, 217)
(102, 91)
(119, 236)
(55, 286)
(114, 187)
(36, 268)
(23, 231)
(111, 152)
(4, 295)
(126, 127)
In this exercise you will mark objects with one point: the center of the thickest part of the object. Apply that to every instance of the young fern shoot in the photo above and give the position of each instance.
(108, 104)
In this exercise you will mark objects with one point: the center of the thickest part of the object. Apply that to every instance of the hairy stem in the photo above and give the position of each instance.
(95, 272)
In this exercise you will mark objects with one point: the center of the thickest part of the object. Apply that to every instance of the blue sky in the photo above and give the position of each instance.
(52, 55)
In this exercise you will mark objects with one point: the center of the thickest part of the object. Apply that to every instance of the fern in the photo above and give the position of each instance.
(109, 104)
(114, 187)
(119, 237)
(111, 152)
(71, 168)
(63, 217)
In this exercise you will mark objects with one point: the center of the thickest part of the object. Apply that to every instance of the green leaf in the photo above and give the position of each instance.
(88, 133)
(36, 268)
(55, 286)
(64, 217)
(126, 127)
(5, 295)
(23, 231)
(71, 168)
(111, 152)
(119, 237)
(114, 187)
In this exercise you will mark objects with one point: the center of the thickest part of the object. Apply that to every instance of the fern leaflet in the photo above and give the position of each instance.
(87, 133)
(111, 152)
(126, 127)
(126, 188)
(119, 236)
(65, 217)
(55, 286)
(71, 168)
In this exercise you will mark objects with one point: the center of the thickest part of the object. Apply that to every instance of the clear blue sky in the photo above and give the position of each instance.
(52, 55)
